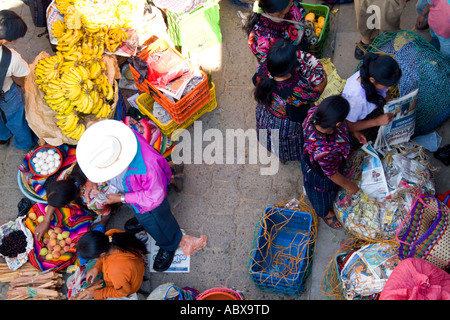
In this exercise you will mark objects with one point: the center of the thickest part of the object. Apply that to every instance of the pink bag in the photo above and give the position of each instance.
(417, 279)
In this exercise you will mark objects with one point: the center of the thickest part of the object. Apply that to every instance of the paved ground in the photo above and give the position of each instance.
(224, 201)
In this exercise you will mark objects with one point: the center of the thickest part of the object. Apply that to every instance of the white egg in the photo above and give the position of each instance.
(44, 166)
(43, 172)
(51, 164)
(56, 156)
(57, 163)
(51, 170)
(41, 162)
(39, 154)
(49, 158)
(35, 160)
(51, 151)
(44, 155)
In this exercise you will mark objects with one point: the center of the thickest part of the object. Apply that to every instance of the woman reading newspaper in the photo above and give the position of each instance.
(367, 93)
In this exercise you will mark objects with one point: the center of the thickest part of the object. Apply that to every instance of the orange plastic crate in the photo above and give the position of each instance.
(184, 108)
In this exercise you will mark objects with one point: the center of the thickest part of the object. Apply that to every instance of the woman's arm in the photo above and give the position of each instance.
(20, 81)
(43, 227)
(321, 86)
(360, 125)
(421, 17)
(342, 181)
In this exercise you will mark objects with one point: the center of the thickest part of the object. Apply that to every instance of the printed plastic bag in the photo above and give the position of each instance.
(165, 66)
(18, 224)
(367, 270)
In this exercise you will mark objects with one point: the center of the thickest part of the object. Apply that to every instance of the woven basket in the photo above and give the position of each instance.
(428, 234)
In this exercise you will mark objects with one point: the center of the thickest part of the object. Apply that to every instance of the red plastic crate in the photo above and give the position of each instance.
(188, 105)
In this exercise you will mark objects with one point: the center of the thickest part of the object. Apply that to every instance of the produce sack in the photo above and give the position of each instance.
(367, 270)
(41, 118)
(372, 217)
(417, 279)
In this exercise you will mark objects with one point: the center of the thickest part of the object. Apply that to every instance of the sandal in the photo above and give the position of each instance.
(333, 222)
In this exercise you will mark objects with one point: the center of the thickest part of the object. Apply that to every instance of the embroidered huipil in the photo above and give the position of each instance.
(327, 151)
(295, 91)
(266, 32)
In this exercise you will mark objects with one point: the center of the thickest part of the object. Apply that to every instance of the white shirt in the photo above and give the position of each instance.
(353, 91)
(18, 68)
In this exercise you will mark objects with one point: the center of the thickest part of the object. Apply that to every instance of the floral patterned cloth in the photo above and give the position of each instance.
(326, 151)
(266, 32)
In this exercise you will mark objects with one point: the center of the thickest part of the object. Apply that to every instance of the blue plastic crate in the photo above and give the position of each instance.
(282, 251)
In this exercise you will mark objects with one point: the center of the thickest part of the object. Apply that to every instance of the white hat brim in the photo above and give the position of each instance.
(87, 146)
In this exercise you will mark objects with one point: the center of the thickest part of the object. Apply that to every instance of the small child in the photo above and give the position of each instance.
(325, 149)
(367, 93)
(12, 99)
(119, 259)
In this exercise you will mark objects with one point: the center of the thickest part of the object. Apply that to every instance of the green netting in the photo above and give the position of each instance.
(422, 67)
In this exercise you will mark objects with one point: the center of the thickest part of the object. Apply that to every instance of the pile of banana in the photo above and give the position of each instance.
(74, 81)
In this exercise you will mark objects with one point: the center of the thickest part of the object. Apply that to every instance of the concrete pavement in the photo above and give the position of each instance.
(224, 201)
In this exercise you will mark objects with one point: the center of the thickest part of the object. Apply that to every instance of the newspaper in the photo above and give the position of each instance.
(373, 181)
(402, 126)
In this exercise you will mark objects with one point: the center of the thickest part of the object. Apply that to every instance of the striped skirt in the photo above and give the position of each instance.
(290, 140)
(320, 189)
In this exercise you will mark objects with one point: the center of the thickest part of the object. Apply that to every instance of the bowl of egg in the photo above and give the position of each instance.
(45, 161)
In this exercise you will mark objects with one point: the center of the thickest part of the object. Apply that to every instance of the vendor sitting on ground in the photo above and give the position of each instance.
(119, 260)
(63, 193)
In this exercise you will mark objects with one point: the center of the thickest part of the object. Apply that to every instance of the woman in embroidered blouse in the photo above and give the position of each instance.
(263, 32)
(326, 147)
(284, 92)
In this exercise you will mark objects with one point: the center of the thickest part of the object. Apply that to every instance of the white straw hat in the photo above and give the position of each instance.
(106, 149)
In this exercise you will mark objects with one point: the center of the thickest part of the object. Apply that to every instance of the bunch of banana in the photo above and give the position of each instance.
(73, 81)
(69, 39)
(62, 5)
(48, 68)
(59, 28)
(104, 87)
(114, 38)
(69, 125)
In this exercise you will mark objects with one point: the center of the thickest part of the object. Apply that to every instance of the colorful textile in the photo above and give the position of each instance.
(68, 219)
(325, 151)
(295, 92)
(445, 198)
(37, 183)
(289, 136)
(151, 132)
(266, 32)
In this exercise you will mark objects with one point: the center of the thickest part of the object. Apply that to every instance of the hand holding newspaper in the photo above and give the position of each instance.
(401, 128)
